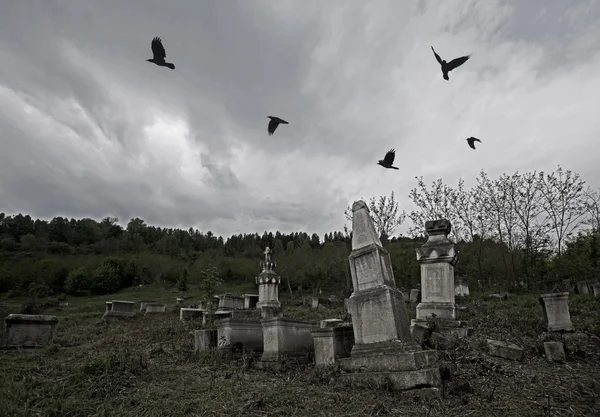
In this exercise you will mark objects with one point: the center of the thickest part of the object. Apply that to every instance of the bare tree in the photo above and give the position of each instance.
(432, 204)
(467, 206)
(385, 213)
(563, 203)
(592, 207)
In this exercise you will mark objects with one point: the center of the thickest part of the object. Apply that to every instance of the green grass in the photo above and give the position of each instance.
(146, 367)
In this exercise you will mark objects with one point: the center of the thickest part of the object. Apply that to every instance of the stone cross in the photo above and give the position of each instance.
(267, 253)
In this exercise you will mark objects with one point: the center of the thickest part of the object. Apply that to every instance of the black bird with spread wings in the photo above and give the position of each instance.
(388, 160)
(449, 66)
(158, 50)
(472, 141)
(275, 121)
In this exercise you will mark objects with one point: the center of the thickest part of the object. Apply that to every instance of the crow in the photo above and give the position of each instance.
(472, 141)
(158, 50)
(388, 160)
(275, 121)
(449, 66)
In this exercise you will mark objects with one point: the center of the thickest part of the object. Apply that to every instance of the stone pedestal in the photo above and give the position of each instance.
(556, 312)
(123, 309)
(332, 343)
(28, 330)
(240, 335)
(384, 348)
(286, 337)
(438, 258)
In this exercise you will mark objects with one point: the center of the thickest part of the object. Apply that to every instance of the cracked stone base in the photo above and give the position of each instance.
(398, 381)
(387, 364)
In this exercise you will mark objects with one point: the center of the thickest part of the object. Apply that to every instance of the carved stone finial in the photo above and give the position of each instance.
(267, 253)
(268, 265)
(438, 227)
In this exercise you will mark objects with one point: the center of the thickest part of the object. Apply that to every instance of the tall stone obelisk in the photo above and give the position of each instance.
(384, 348)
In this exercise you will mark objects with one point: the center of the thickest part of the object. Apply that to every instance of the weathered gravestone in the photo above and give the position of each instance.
(384, 352)
(28, 330)
(556, 312)
(438, 257)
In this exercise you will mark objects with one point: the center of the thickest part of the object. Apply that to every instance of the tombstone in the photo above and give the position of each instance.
(152, 308)
(246, 335)
(283, 337)
(414, 295)
(317, 302)
(217, 315)
(268, 288)
(461, 288)
(556, 312)
(228, 302)
(29, 330)
(143, 304)
(179, 300)
(186, 313)
(108, 305)
(204, 340)
(582, 287)
(63, 304)
(595, 290)
(332, 343)
(250, 301)
(384, 351)
(122, 309)
(438, 258)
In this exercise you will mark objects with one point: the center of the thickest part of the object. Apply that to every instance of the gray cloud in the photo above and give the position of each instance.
(91, 129)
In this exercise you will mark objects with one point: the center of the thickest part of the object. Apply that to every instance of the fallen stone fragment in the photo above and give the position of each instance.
(504, 350)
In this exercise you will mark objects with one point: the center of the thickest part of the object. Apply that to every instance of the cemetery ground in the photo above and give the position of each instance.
(146, 366)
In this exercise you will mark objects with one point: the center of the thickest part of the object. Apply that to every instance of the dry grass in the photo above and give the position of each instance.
(146, 367)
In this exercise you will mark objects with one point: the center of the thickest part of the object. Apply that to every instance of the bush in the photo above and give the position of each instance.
(78, 281)
(105, 279)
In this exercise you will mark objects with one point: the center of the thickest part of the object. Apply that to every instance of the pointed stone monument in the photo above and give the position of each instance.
(384, 352)
(438, 257)
(268, 288)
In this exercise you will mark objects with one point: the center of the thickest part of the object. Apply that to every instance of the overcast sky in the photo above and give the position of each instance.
(89, 129)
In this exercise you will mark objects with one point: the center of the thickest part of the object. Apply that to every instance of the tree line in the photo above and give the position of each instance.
(519, 230)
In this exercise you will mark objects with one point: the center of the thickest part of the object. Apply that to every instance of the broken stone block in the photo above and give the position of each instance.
(421, 333)
(332, 343)
(205, 339)
(414, 295)
(582, 287)
(555, 351)
(29, 330)
(556, 311)
(317, 302)
(504, 350)
(574, 342)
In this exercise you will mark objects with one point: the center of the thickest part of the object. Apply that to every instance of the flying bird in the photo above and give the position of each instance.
(388, 160)
(449, 66)
(472, 141)
(158, 50)
(275, 121)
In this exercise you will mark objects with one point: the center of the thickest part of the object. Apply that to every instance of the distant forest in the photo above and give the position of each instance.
(518, 231)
